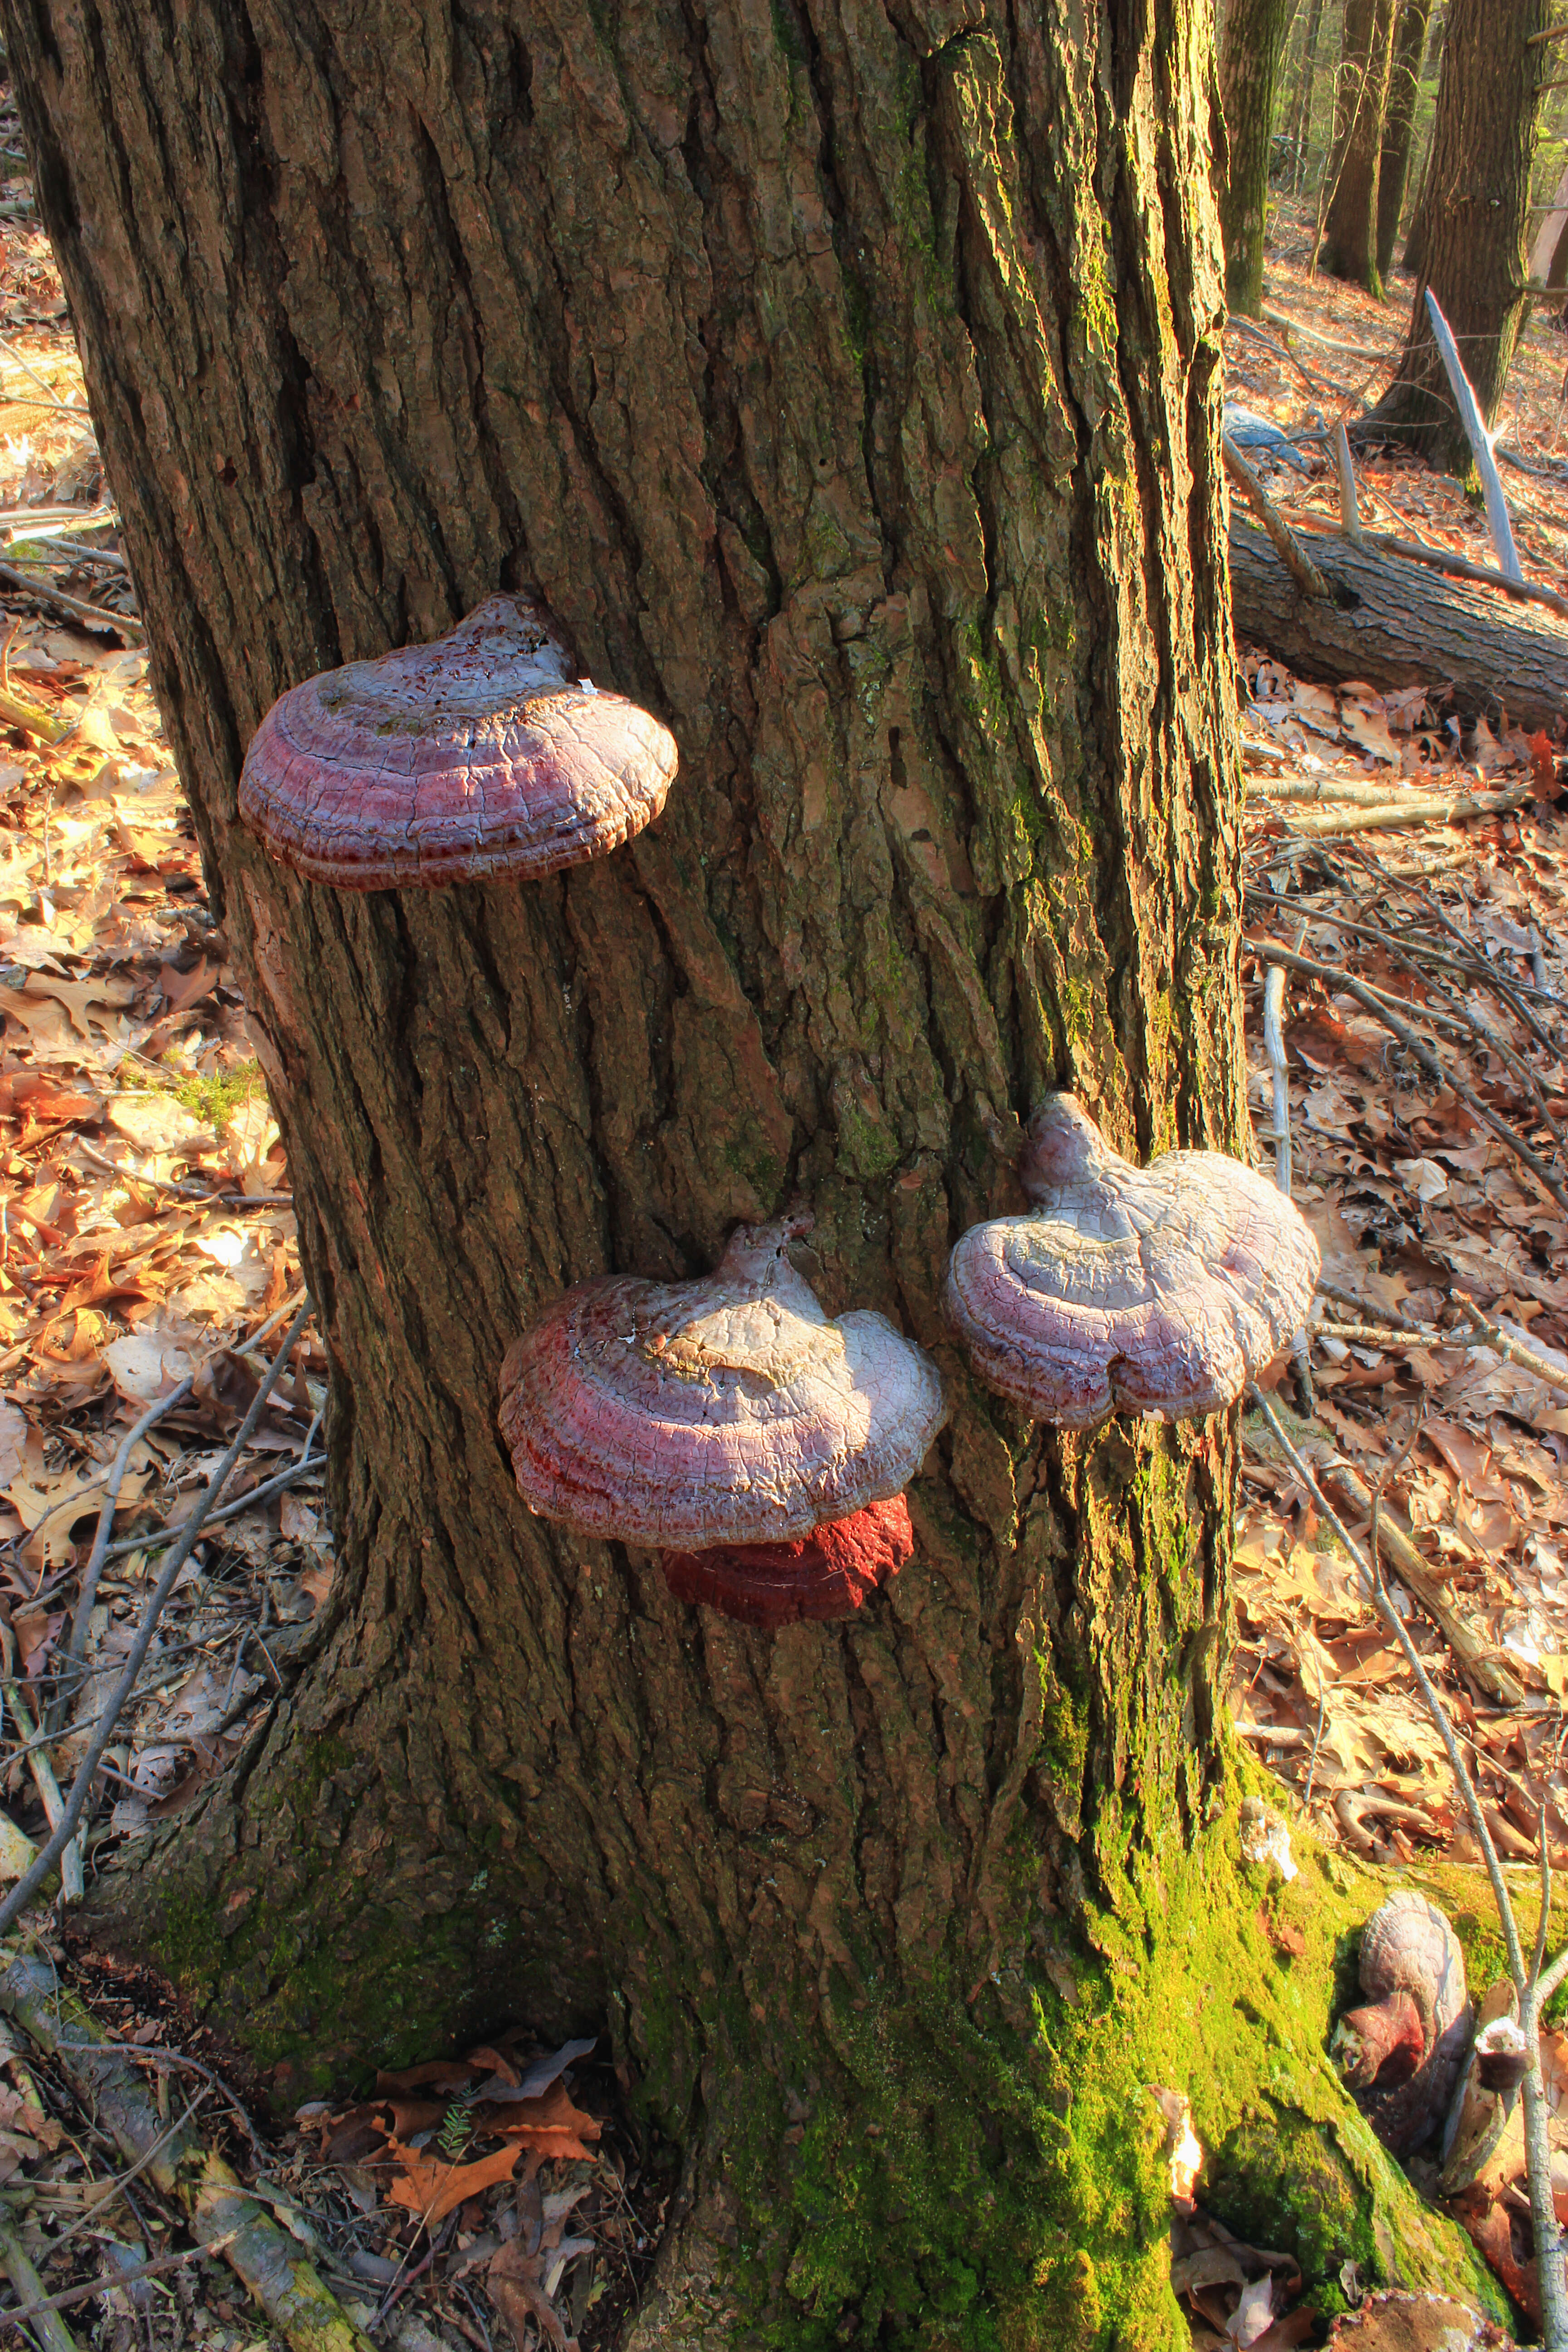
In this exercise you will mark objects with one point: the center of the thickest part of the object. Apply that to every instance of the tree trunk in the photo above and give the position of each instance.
(1415, 242)
(1475, 209)
(847, 381)
(1255, 32)
(1398, 125)
(1397, 623)
(1301, 110)
(1349, 225)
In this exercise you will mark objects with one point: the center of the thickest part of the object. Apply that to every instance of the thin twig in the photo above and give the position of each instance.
(72, 1884)
(34, 1876)
(94, 1568)
(98, 616)
(254, 1494)
(1495, 1337)
(112, 2189)
(1292, 555)
(1269, 950)
(121, 2278)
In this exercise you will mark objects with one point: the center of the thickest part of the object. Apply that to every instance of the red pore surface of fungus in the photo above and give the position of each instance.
(827, 1574)
(1156, 1290)
(479, 755)
(730, 1410)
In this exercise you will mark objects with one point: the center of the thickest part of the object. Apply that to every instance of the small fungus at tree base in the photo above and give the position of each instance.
(1158, 1290)
(1400, 2053)
(480, 756)
(728, 1423)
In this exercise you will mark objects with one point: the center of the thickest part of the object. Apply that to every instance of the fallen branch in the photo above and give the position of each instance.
(96, 616)
(1479, 439)
(1414, 810)
(117, 2278)
(222, 2213)
(1299, 565)
(53, 2335)
(1349, 512)
(1269, 951)
(1492, 1335)
(1397, 623)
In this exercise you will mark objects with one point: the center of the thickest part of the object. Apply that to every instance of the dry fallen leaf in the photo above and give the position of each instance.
(432, 2188)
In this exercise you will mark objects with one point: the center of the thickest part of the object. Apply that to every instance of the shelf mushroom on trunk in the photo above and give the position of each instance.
(729, 1425)
(1156, 1290)
(481, 755)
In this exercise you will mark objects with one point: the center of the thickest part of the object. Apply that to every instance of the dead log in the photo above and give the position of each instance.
(1396, 624)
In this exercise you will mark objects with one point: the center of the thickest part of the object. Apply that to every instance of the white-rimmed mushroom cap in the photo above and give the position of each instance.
(481, 755)
(1156, 1290)
(727, 1411)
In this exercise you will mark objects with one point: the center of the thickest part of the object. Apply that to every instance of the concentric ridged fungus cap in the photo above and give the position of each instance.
(1156, 1290)
(480, 755)
(727, 1411)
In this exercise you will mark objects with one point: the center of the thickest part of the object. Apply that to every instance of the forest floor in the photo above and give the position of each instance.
(146, 1237)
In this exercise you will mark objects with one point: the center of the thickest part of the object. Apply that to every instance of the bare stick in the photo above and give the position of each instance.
(1496, 1337)
(1538, 2153)
(1479, 439)
(94, 1568)
(53, 2335)
(1274, 1045)
(1299, 565)
(33, 1878)
(1348, 1298)
(1268, 951)
(1403, 812)
(96, 616)
(119, 2278)
(1350, 513)
(72, 1884)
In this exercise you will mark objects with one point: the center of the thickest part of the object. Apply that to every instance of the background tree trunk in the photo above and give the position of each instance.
(1255, 34)
(1350, 225)
(1398, 126)
(1415, 235)
(1301, 104)
(847, 379)
(1475, 210)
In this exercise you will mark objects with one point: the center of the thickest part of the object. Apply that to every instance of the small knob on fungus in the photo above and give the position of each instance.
(1156, 1290)
(728, 1423)
(481, 755)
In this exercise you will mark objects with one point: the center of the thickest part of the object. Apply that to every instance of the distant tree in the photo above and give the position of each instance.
(1350, 227)
(1254, 45)
(1301, 104)
(1398, 125)
(1475, 208)
(1415, 235)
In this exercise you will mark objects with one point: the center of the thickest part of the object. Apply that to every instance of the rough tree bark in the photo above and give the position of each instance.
(847, 378)
(1473, 216)
(1255, 36)
(1398, 127)
(1349, 246)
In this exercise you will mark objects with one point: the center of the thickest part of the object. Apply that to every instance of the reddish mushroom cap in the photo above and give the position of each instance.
(1156, 1290)
(827, 1574)
(481, 755)
(727, 1411)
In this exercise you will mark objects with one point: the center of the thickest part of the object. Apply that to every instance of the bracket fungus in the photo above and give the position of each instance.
(1156, 1290)
(731, 1426)
(480, 755)
(1401, 2051)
